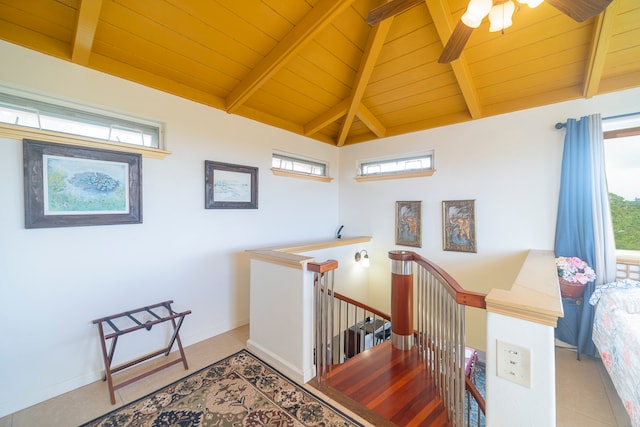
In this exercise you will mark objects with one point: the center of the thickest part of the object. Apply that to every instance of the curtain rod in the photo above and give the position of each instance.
(560, 125)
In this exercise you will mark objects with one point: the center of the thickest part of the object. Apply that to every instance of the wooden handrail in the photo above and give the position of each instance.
(322, 267)
(358, 304)
(471, 387)
(461, 295)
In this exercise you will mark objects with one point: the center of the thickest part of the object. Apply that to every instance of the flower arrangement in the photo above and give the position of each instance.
(574, 270)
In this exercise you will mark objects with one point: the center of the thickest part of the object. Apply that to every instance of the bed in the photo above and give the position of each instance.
(616, 333)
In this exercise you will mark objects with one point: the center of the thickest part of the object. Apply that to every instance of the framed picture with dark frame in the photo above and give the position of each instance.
(409, 224)
(459, 225)
(72, 186)
(229, 186)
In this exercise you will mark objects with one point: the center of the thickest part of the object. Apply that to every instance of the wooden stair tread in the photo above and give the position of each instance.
(393, 384)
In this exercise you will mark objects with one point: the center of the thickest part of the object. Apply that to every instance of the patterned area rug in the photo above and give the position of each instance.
(482, 388)
(240, 390)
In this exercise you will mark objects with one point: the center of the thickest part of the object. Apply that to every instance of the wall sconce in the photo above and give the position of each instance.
(364, 256)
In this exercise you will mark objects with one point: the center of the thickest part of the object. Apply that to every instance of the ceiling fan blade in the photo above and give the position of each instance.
(389, 9)
(455, 45)
(580, 10)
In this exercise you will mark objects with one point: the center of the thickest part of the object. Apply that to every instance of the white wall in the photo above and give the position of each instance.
(54, 281)
(509, 164)
(533, 405)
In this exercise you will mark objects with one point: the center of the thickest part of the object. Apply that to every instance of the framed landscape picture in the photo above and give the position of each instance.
(459, 225)
(70, 186)
(229, 186)
(409, 224)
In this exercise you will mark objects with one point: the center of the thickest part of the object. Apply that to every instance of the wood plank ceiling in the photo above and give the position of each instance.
(316, 68)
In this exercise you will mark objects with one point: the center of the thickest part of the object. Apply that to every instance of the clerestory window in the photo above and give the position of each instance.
(420, 164)
(22, 112)
(290, 165)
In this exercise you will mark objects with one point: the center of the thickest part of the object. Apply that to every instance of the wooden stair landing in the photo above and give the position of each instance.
(386, 387)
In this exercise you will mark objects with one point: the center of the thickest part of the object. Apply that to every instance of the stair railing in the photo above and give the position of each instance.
(441, 303)
(440, 335)
(344, 327)
(323, 304)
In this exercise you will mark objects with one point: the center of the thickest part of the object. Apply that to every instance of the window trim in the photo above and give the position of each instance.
(19, 132)
(411, 173)
(395, 175)
(296, 174)
(291, 174)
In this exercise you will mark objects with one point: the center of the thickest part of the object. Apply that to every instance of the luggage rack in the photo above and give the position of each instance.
(156, 311)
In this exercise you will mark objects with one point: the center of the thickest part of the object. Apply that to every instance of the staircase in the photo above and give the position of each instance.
(422, 385)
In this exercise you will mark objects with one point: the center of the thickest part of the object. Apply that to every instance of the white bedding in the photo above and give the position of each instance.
(616, 333)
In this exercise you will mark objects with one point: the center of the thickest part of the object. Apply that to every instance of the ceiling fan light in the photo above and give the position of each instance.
(500, 16)
(531, 3)
(476, 11)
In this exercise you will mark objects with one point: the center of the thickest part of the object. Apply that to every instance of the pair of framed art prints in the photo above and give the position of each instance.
(458, 225)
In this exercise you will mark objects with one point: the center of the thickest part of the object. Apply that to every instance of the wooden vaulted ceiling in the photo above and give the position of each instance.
(316, 68)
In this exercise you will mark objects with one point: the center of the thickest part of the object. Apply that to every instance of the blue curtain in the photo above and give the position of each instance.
(583, 226)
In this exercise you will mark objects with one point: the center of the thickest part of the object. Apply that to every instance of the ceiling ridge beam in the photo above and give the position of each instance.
(321, 15)
(599, 48)
(375, 42)
(440, 13)
(88, 17)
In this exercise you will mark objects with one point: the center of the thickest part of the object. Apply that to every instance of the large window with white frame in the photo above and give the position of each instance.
(622, 163)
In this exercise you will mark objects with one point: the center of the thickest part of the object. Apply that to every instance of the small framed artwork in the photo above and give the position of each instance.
(409, 224)
(70, 186)
(230, 186)
(459, 225)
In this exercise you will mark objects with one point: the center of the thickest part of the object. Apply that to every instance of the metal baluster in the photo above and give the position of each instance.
(330, 321)
(318, 326)
(420, 315)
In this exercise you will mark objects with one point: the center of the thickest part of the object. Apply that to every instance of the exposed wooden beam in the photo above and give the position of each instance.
(88, 17)
(440, 13)
(599, 47)
(330, 116)
(390, 9)
(371, 121)
(370, 57)
(321, 15)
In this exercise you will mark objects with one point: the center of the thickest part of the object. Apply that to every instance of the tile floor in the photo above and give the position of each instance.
(585, 395)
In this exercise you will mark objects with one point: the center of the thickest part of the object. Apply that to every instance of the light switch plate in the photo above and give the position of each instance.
(514, 363)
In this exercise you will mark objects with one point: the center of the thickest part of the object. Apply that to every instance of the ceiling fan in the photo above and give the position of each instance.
(499, 12)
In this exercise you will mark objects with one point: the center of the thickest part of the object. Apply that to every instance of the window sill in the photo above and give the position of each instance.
(16, 132)
(289, 174)
(382, 177)
(631, 257)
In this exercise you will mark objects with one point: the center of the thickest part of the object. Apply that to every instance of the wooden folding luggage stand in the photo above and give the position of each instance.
(176, 320)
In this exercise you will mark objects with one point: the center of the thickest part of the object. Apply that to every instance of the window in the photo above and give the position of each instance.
(29, 113)
(622, 163)
(286, 164)
(400, 167)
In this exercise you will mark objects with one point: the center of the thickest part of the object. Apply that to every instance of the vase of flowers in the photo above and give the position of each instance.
(573, 275)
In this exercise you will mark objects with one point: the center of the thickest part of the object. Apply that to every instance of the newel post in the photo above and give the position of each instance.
(401, 299)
